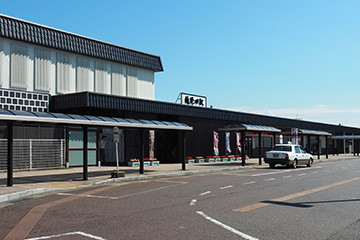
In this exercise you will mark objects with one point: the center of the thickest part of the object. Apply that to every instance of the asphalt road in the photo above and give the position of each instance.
(321, 202)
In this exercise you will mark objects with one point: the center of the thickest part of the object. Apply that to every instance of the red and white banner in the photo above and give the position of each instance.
(216, 144)
(238, 141)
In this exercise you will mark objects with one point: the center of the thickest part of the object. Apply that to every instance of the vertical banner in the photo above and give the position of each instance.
(238, 142)
(151, 144)
(227, 139)
(216, 144)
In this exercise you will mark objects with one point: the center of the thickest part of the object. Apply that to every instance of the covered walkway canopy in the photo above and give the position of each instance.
(242, 128)
(85, 121)
(317, 134)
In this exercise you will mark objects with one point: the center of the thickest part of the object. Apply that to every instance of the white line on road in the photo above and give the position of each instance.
(269, 179)
(301, 174)
(193, 202)
(204, 193)
(65, 194)
(289, 176)
(67, 234)
(315, 172)
(247, 183)
(225, 187)
(168, 181)
(233, 230)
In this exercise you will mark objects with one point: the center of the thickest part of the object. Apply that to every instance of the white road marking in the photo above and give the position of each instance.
(230, 186)
(269, 179)
(301, 174)
(315, 172)
(193, 202)
(247, 183)
(204, 193)
(67, 234)
(289, 176)
(233, 230)
(65, 194)
(168, 181)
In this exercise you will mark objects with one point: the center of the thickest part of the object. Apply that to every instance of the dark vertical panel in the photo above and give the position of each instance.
(327, 150)
(318, 146)
(141, 132)
(85, 153)
(260, 149)
(243, 147)
(10, 160)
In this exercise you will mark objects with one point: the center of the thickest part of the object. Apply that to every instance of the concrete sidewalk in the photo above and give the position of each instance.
(27, 183)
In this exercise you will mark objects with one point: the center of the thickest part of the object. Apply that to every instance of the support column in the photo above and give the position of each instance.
(243, 136)
(354, 147)
(85, 153)
(309, 144)
(274, 139)
(142, 151)
(10, 160)
(327, 152)
(182, 149)
(260, 149)
(318, 146)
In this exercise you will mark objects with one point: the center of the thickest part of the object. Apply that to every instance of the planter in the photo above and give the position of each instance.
(155, 163)
(225, 159)
(190, 161)
(209, 159)
(232, 159)
(147, 163)
(218, 159)
(199, 160)
(134, 164)
(238, 159)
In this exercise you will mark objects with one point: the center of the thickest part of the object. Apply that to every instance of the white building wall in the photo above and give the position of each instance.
(146, 84)
(81, 73)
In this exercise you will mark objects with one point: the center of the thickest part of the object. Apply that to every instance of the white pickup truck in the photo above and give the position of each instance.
(288, 154)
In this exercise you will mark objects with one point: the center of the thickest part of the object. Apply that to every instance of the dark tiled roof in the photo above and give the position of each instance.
(48, 37)
(90, 102)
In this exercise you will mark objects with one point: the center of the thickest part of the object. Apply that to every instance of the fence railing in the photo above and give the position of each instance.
(34, 153)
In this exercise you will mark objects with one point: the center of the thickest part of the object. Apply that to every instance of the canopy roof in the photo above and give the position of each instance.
(85, 120)
(248, 127)
(314, 132)
(346, 137)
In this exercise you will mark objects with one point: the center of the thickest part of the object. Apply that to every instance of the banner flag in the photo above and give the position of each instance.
(238, 141)
(227, 138)
(216, 144)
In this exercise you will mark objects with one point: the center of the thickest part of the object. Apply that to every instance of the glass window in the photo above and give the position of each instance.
(283, 148)
(297, 149)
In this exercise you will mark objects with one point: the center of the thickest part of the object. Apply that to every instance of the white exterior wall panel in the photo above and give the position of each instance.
(40, 69)
(146, 84)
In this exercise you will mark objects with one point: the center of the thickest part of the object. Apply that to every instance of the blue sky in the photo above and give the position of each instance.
(294, 59)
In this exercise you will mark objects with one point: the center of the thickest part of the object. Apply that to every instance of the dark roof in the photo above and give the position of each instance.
(21, 30)
(93, 101)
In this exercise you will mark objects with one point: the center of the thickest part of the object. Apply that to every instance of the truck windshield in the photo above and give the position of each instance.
(283, 148)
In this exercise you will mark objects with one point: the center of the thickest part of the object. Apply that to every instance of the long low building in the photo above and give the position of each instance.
(46, 72)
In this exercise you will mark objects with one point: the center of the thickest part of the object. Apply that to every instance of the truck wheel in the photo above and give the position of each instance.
(271, 165)
(294, 164)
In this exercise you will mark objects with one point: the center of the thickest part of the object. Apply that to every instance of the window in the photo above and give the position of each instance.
(63, 71)
(297, 149)
(83, 74)
(19, 65)
(118, 84)
(102, 84)
(42, 66)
